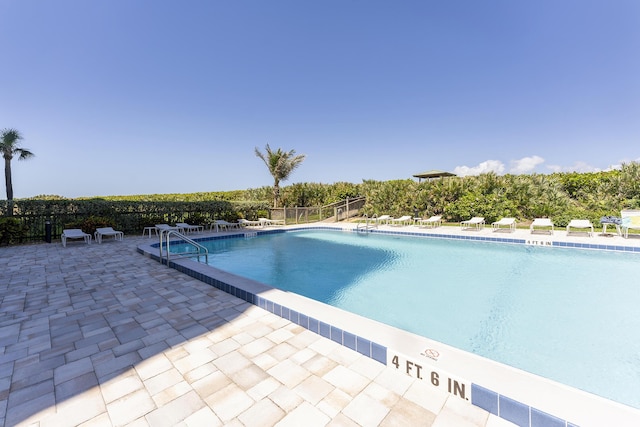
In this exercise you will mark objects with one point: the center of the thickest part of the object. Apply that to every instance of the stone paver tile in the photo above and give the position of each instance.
(280, 335)
(200, 372)
(120, 386)
(171, 413)
(349, 381)
(263, 389)
(77, 410)
(153, 366)
(319, 365)
(30, 410)
(194, 360)
(313, 389)
(302, 356)
(72, 370)
(461, 412)
(334, 403)
(285, 398)
(426, 395)
(288, 373)
(256, 347)
(304, 415)
(131, 407)
(171, 393)
(342, 420)
(163, 380)
(381, 394)
(101, 420)
(248, 377)
(282, 351)
(229, 402)
(76, 386)
(344, 355)
(225, 347)
(496, 421)
(368, 367)
(265, 361)
(407, 413)
(396, 381)
(365, 410)
(210, 384)
(263, 413)
(231, 362)
(203, 417)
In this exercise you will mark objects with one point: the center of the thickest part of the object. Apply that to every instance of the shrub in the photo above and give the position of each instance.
(12, 231)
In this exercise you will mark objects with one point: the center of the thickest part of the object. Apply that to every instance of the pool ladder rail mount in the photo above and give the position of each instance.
(165, 236)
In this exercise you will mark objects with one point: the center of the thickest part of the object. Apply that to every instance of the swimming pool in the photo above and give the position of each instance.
(568, 315)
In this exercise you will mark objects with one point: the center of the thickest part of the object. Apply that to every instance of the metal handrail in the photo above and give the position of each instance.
(200, 250)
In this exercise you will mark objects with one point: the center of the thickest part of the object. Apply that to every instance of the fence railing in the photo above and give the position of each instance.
(334, 212)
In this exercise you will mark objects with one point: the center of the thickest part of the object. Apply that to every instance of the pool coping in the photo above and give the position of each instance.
(510, 393)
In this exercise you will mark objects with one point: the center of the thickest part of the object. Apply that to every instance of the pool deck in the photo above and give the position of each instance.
(99, 335)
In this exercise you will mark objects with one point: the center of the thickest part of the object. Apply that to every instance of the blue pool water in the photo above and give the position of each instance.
(566, 314)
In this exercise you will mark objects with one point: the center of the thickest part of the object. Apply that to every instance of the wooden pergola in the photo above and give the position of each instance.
(433, 174)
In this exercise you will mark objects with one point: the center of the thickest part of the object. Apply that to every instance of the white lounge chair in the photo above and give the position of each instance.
(509, 223)
(167, 227)
(541, 222)
(246, 223)
(188, 228)
(382, 219)
(107, 231)
(630, 221)
(475, 223)
(267, 221)
(74, 233)
(432, 222)
(221, 224)
(581, 224)
(403, 220)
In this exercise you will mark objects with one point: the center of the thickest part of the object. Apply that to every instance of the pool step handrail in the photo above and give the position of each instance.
(366, 226)
(165, 236)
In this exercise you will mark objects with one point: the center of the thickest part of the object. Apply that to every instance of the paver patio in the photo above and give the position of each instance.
(98, 335)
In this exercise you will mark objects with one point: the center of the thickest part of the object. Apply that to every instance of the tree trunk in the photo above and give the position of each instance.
(7, 178)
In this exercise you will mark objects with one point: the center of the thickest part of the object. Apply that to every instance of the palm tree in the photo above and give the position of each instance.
(9, 146)
(280, 165)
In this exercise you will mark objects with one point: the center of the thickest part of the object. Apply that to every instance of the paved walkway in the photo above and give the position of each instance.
(98, 335)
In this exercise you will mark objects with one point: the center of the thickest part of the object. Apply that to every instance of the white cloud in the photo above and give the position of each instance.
(580, 167)
(525, 164)
(487, 166)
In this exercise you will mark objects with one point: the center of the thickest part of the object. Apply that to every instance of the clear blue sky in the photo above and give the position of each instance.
(123, 97)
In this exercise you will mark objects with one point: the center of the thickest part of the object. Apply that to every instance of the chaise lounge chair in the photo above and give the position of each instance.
(221, 224)
(541, 222)
(475, 223)
(74, 233)
(166, 227)
(630, 221)
(107, 231)
(382, 219)
(188, 228)
(580, 223)
(403, 220)
(510, 223)
(267, 221)
(246, 223)
(434, 221)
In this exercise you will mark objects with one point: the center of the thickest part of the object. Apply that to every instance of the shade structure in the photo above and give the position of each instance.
(433, 174)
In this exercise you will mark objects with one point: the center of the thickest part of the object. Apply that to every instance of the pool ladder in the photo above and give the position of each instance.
(367, 225)
(165, 236)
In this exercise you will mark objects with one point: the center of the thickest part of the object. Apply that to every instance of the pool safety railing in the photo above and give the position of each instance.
(368, 224)
(165, 240)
